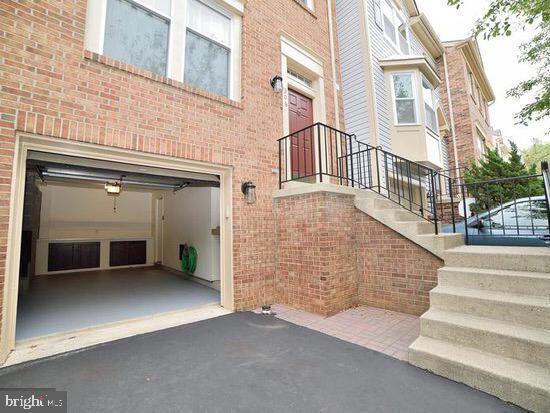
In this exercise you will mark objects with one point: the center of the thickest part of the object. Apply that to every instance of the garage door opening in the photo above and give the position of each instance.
(105, 241)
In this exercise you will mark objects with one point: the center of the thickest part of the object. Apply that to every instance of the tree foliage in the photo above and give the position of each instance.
(537, 153)
(500, 19)
(492, 167)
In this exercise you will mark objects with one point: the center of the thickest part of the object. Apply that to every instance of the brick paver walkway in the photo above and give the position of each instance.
(385, 331)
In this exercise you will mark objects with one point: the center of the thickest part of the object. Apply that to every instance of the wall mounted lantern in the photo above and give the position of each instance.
(249, 191)
(277, 84)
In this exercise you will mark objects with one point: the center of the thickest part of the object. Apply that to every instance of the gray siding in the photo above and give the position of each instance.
(353, 74)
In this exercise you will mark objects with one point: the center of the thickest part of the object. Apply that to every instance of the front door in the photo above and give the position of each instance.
(300, 117)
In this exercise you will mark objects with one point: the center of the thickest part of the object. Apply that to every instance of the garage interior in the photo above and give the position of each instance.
(105, 241)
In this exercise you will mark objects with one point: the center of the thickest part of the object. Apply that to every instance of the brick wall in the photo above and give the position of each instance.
(394, 273)
(333, 257)
(316, 263)
(467, 114)
(50, 85)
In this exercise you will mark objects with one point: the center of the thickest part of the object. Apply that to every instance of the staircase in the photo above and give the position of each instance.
(489, 319)
(489, 323)
(404, 222)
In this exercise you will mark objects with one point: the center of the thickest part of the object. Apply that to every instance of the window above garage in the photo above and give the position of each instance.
(197, 42)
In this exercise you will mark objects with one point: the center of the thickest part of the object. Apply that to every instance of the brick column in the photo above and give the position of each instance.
(316, 262)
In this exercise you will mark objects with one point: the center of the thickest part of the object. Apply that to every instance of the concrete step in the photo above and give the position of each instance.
(417, 227)
(402, 215)
(531, 345)
(413, 227)
(528, 310)
(535, 259)
(521, 383)
(440, 242)
(385, 204)
(519, 282)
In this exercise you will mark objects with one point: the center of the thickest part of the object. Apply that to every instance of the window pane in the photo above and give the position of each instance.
(402, 32)
(402, 85)
(403, 45)
(206, 64)
(160, 5)
(431, 119)
(209, 22)
(427, 91)
(405, 111)
(136, 36)
(377, 13)
(389, 28)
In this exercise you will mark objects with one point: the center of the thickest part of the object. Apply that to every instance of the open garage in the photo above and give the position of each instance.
(104, 242)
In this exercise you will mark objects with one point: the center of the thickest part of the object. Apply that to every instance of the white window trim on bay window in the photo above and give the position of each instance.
(430, 105)
(414, 97)
(96, 17)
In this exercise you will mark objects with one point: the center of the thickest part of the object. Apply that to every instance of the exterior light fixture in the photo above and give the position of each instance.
(277, 84)
(112, 188)
(249, 191)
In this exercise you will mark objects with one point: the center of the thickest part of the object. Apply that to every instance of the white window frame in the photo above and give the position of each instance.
(471, 82)
(230, 47)
(396, 18)
(415, 97)
(96, 16)
(481, 142)
(434, 107)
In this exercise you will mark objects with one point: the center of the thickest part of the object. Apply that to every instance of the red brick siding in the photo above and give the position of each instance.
(333, 256)
(394, 273)
(50, 85)
(466, 113)
(316, 268)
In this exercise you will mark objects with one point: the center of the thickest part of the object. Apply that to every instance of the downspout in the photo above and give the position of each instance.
(452, 117)
(333, 63)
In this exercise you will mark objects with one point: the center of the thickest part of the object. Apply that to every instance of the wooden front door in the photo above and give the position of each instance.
(300, 117)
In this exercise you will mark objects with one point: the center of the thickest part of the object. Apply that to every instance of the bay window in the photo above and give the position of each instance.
(138, 34)
(394, 26)
(430, 103)
(404, 98)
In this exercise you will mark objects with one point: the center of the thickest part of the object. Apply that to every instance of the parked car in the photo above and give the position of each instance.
(520, 222)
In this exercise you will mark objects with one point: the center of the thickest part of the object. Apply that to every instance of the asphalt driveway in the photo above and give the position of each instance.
(244, 362)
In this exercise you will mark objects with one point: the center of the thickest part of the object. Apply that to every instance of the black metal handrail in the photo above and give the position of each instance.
(322, 153)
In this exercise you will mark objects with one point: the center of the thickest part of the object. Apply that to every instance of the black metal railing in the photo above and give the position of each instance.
(325, 154)
(320, 153)
(507, 211)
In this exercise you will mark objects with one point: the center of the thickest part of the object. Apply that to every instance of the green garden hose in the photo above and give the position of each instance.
(189, 260)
